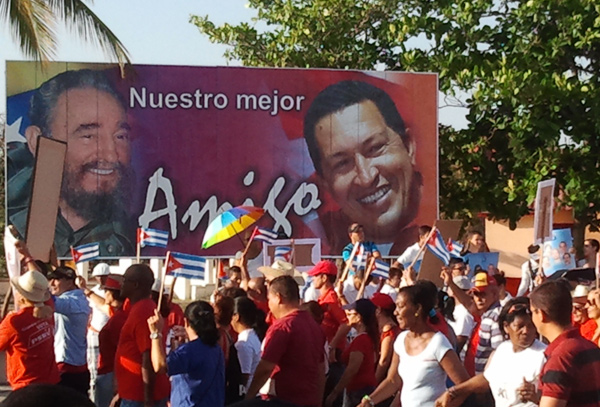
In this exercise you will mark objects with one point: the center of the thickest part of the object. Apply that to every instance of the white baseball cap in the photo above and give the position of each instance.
(101, 269)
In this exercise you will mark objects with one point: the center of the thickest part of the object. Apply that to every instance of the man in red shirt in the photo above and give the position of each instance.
(335, 324)
(571, 375)
(137, 384)
(28, 339)
(293, 358)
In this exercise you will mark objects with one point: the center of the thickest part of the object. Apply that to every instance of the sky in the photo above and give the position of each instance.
(159, 32)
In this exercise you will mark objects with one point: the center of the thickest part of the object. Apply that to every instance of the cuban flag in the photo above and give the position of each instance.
(436, 245)
(264, 235)
(284, 253)
(85, 252)
(382, 269)
(185, 265)
(454, 248)
(360, 258)
(152, 237)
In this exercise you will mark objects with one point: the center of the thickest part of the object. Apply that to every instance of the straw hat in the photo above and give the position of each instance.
(32, 285)
(282, 268)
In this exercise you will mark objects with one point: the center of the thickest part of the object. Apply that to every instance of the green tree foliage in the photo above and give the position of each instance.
(526, 71)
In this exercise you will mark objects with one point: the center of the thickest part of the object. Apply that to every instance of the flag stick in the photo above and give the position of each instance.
(250, 241)
(172, 289)
(349, 262)
(217, 269)
(363, 283)
(293, 252)
(422, 248)
(162, 281)
(138, 250)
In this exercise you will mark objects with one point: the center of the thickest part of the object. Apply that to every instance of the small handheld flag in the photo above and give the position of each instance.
(284, 253)
(382, 269)
(85, 252)
(185, 265)
(454, 248)
(437, 246)
(264, 235)
(360, 259)
(152, 237)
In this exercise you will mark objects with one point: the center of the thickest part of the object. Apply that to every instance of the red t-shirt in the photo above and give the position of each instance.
(333, 315)
(366, 373)
(296, 345)
(472, 348)
(393, 333)
(175, 317)
(29, 345)
(572, 370)
(108, 338)
(588, 328)
(135, 340)
(263, 306)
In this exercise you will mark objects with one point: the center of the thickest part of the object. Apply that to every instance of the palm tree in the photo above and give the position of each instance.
(32, 24)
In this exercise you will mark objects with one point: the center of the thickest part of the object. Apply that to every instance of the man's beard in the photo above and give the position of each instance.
(98, 206)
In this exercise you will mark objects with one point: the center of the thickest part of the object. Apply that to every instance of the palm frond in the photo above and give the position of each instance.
(78, 16)
(32, 25)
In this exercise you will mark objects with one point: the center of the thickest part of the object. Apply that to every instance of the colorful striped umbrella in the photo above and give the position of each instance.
(230, 223)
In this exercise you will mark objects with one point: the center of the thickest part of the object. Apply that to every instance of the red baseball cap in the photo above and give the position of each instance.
(113, 282)
(383, 301)
(324, 267)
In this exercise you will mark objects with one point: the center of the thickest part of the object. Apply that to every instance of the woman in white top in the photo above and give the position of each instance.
(423, 358)
(249, 323)
(512, 372)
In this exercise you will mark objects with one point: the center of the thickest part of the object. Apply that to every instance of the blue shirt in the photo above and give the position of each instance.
(71, 314)
(197, 375)
(369, 248)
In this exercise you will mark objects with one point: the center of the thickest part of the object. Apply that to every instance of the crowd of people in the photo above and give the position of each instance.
(401, 341)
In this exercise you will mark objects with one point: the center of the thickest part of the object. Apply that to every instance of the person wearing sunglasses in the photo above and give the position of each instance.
(521, 354)
(587, 326)
(592, 306)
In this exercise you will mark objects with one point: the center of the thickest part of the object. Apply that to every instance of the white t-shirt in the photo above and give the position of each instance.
(389, 290)
(507, 368)
(351, 293)
(506, 299)
(248, 349)
(423, 379)
(410, 254)
(463, 323)
(99, 318)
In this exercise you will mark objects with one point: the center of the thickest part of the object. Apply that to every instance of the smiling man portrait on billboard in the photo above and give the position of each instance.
(365, 159)
(83, 109)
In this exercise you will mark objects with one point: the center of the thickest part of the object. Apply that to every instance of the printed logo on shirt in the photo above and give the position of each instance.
(42, 335)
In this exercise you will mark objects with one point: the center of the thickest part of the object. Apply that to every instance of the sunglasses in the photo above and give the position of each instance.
(356, 229)
(577, 307)
(590, 303)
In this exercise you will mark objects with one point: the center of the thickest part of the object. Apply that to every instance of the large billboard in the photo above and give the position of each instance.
(170, 147)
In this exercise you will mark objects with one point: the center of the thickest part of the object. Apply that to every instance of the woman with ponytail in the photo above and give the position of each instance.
(249, 323)
(359, 356)
(197, 367)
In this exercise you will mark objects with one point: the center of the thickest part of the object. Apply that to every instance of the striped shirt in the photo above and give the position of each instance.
(490, 337)
(572, 371)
